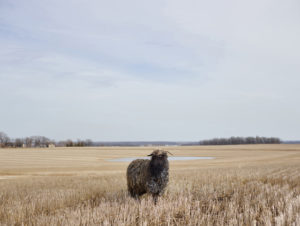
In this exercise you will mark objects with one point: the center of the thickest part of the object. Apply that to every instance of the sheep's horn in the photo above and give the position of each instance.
(170, 153)
(150, 155)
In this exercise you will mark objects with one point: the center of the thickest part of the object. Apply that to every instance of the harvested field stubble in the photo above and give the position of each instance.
(225, 194)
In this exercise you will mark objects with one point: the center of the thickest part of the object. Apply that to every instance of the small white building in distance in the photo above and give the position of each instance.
(51, 145)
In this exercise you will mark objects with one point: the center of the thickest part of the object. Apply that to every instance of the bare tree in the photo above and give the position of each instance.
(19, 142)
(88, 142)
(40, 141)
(4, 140)
(69, 143)
(28, 142)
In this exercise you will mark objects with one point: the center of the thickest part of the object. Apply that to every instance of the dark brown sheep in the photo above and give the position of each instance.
(148, 176)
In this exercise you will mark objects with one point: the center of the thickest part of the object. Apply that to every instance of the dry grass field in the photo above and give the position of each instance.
(243, 185)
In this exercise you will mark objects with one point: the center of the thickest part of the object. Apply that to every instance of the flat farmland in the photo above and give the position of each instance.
(242, 185)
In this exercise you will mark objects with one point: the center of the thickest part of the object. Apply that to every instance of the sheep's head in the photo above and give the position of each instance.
(159, 154)
(159, 161)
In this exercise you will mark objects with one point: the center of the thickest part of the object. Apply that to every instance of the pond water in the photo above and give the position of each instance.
(171, 158)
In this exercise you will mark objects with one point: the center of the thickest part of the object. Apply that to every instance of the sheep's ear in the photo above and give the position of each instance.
(151, 154)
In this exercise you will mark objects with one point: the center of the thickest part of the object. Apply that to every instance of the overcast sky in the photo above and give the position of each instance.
(149, 70)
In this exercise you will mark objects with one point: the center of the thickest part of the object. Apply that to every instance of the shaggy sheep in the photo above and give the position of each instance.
(148, 176)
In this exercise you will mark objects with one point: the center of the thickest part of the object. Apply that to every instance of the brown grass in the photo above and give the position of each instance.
(244, 185)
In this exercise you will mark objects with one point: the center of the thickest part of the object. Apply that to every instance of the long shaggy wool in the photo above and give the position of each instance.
(148, 176)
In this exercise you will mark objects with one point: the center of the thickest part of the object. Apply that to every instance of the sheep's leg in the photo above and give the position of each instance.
(134, 195)
(155, 197)
(131, 192)
(137, 197)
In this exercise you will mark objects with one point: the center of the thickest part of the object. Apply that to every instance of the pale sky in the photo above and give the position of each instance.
(149, 70)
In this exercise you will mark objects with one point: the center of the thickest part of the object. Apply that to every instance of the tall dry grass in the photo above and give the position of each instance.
(260, 195)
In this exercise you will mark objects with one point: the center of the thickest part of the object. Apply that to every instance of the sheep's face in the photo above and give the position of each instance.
(159, 161)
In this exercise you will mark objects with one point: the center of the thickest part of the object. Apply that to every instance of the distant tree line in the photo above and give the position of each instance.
(33, 141)
(241, 140)
(78, 143)
(39, 141)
